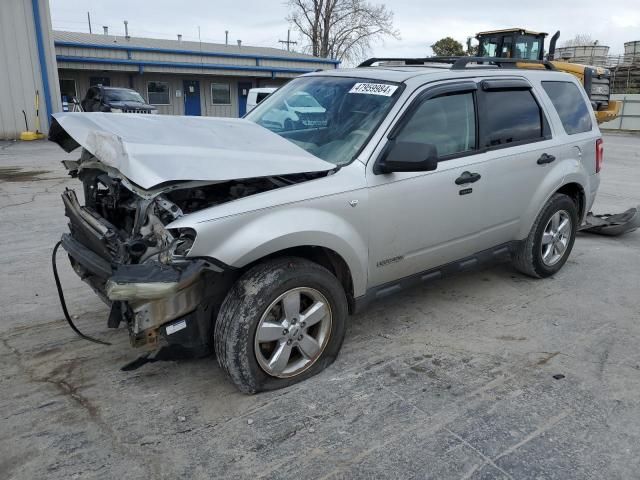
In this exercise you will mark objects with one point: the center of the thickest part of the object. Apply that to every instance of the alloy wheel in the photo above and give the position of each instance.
(293, 332)
(556, 237)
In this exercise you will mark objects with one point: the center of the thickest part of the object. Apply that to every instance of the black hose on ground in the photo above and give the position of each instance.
(63, 304)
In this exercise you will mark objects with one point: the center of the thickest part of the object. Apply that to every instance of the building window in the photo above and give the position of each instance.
(158, 93)
(68, 89)
(100, 81)
(220, 94)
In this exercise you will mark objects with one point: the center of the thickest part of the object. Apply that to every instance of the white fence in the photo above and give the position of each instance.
(629, 118)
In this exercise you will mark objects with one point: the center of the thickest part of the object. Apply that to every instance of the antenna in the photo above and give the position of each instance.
(89, 20)
(288, 41)
(226, 37)
(126, 29)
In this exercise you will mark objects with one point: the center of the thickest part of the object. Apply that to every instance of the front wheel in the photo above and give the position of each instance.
(550, 241)
(282, 322)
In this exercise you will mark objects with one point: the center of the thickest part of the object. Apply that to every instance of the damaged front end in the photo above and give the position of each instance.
(119, 245)
(141, 175)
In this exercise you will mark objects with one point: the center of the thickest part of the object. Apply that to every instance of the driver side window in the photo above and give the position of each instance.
(447, 122)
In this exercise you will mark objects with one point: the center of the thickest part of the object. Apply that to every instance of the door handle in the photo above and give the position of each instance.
(544, 158)
(467, 177)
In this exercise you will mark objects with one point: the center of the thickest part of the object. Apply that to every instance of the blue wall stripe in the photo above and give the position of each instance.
(153, 63)
(257, 57)
(43, 60)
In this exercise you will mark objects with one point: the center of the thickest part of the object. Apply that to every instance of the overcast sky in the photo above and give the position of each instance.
(420, 22)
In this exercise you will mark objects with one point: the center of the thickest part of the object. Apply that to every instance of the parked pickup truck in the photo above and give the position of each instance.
(258, 240)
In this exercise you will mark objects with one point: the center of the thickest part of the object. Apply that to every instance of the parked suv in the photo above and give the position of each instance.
(258, 241)
(115, 100)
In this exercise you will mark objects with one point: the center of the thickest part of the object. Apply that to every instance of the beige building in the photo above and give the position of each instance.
(179, 77)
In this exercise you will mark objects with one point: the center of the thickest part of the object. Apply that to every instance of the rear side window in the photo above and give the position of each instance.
(570, 105)
(448, 123)
(511, 116)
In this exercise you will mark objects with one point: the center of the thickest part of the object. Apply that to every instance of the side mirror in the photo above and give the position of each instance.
(407, 157)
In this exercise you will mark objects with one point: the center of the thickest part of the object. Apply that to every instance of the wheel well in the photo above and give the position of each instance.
(576, 192)
(326, 257)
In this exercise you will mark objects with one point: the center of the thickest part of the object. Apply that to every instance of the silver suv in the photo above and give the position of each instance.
(257, 240)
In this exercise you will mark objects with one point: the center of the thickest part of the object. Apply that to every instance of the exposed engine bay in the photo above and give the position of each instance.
(119, 244)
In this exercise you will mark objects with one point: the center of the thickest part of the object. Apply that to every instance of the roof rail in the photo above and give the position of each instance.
(410, 61)
(460, 63)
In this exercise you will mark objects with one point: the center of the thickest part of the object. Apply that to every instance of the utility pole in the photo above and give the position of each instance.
(89, 20)
(288, 41)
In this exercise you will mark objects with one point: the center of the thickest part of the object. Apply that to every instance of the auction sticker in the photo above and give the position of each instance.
(374, 89)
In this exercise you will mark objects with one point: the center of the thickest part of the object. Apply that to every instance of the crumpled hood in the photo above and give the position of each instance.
(153, 149)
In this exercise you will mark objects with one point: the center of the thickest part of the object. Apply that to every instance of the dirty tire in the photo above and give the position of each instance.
(244, 305)
(527, 256)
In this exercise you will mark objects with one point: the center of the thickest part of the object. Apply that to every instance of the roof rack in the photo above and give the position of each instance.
(460, 63)
(410, 61)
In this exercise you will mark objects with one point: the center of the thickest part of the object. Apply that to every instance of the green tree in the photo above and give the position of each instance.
(447, 47)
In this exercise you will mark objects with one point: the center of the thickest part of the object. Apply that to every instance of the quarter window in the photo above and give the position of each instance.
(511, 116)
(447, 122)
(158, 93)
(220, 94)
(570, 105)
(261, 96)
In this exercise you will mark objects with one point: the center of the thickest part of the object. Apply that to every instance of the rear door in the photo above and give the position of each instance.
(521, 152)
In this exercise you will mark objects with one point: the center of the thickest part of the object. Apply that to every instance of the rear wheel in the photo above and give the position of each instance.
(551, 239)
(283, 321)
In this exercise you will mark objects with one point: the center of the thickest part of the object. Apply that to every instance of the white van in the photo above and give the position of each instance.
(256, 95)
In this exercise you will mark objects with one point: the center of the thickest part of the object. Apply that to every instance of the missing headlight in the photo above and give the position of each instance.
(184, 241)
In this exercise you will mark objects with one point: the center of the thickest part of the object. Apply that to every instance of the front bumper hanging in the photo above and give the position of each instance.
(612, 224)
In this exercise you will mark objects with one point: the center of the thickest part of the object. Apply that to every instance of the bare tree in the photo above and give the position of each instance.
(580, 39)
(342, 29)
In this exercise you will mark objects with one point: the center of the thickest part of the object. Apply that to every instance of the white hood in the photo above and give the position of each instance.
(153, 149)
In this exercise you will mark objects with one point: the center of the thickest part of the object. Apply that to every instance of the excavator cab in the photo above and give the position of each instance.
(512, 43)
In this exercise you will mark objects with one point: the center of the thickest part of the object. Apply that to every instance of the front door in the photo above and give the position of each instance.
(192, 98)
(243, 93)
(421, 220)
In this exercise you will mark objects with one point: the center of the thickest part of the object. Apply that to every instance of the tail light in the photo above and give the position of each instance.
(599, 154)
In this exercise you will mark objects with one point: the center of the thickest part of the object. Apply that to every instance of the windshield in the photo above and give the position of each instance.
(345, 113)
(528, 46)
(302, 100)
(123, 96)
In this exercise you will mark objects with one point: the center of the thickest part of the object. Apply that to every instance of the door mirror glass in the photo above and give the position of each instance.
(408, 157)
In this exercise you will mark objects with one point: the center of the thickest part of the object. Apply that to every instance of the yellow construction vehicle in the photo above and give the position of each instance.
(520, 43)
